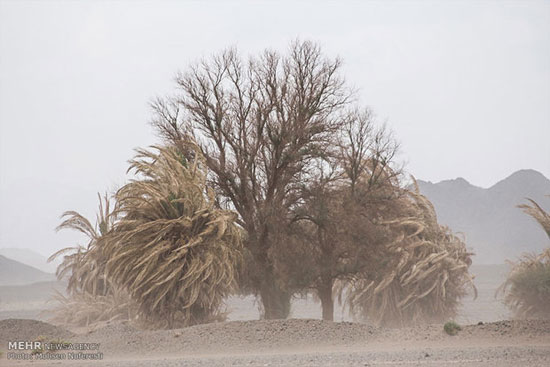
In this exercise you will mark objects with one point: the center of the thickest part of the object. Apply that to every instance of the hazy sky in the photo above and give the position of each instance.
(464, 85)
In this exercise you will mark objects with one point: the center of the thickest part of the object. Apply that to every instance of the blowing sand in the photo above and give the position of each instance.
(294, 342)
(303, 341)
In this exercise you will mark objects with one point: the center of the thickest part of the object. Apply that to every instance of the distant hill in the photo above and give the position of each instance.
(15, 273)
(494, 227)
(30, 257)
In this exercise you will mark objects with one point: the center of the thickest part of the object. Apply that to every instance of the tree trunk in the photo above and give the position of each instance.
(276, 305)
(324, 291)
(276, 301)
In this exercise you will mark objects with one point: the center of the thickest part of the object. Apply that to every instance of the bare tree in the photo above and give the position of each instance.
(263, 125)
(338, 218)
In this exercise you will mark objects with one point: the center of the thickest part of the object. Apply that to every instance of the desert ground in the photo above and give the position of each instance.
(487, 337)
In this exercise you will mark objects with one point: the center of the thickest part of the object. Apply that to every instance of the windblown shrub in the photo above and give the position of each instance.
(421, 275)
(85, 309)
(91, 296)
(84, 267)
(172, 248)
(538, 214)
(527, 288)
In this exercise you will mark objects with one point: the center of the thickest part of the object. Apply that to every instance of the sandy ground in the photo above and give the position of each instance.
(294, 342)
(302, 341)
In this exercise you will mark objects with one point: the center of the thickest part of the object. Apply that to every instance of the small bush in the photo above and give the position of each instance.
(85, 309)
(40, 350)
(451, 328)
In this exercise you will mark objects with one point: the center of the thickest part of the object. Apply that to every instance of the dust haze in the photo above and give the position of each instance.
(257, 183)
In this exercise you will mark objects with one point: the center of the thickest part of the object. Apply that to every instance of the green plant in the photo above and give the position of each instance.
(42, 340)
(451, 328)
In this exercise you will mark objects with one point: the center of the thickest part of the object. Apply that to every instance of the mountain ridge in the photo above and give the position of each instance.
(30, 257)
(13, 272)
(495, 229)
